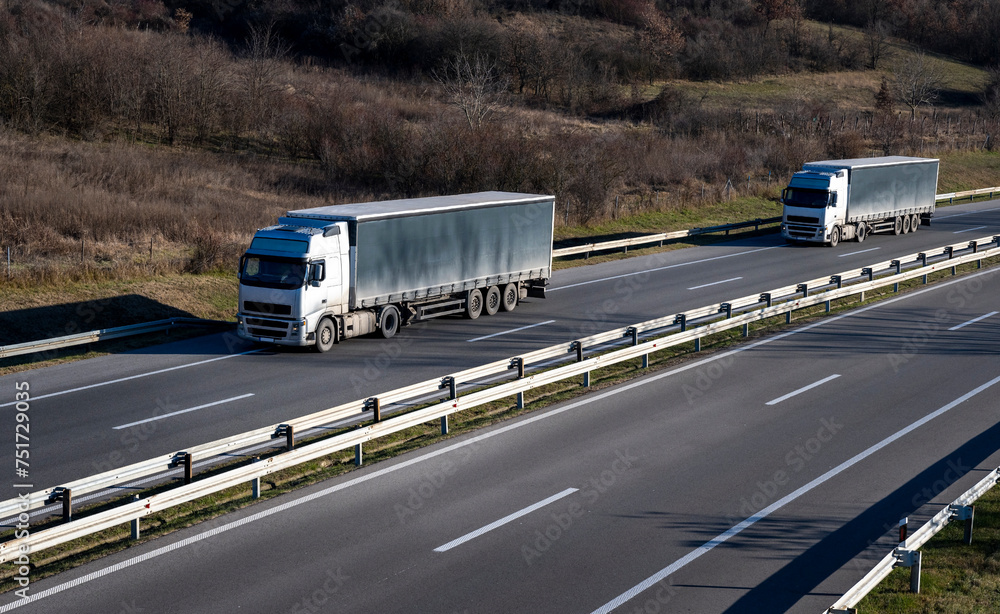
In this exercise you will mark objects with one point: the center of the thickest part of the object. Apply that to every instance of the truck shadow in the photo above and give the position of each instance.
(51, 321)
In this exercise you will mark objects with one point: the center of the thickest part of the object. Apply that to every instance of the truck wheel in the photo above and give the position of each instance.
(510, 296)
(492, 304)
(326, 336)
(835, 236)
(914, 222)
(861, 233)
(390, 322)
(473, 304)
(906, 224)
(898, 228)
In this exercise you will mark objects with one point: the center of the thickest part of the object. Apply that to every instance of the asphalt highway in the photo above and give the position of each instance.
(767, 478)
(95, 415)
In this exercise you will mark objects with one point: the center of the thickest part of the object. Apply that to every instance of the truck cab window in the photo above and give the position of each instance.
(273, 272)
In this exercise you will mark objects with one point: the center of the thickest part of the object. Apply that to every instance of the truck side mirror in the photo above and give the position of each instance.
(317, 273)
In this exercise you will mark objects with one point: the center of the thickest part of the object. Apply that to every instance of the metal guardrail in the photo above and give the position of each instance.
(792, 297)
(907, 553)
(951, 197)
(659, 238)
(30, 347)
(680, 234)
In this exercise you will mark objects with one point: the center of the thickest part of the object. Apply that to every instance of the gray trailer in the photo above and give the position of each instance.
(366, 267)
(836, 200)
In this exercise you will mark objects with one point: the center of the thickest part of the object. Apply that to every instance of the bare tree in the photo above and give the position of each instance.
(259, 75)
(475, 86)
(877, 42)
(886, 127)
(773, 10)
(918, 82)
(991, 94)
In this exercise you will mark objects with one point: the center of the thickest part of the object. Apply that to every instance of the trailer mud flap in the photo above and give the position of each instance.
(536, 291)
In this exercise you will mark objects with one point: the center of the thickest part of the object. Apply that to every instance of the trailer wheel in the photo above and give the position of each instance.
(906, 224)
(510, 296)
(473, 304)
(835, 236)
(390, 322)
(861, 233)
(914, 222)
(897, 229)
(326, 336)
(492, 304)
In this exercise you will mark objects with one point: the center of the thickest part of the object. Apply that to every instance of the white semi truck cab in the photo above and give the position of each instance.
(835, 200)
(292, 275)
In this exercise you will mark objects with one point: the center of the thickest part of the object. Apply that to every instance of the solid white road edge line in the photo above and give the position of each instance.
(137, 376)
(973, 320)
(803, 389)
(715, 283)
(663, 268)
(507, 332)
(504, 520)
(183, 411)
(456, 446)
(736, 530)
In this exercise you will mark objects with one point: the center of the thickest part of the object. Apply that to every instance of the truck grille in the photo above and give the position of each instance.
(276, 309)
(261, 327)
(803, 219)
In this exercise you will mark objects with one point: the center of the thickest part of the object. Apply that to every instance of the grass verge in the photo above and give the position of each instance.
(67, 556)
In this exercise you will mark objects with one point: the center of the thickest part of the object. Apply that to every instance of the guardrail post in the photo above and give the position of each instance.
(254, 483)
(966, 513)
(746, 329)
(188, 468)
(726, 308)
(870, 272)
(766, 298)
(915, 572)
(135, 521)
(518, 363)
(899, 269)
(803, 288)
(681, 319)
(358, 455)
(697, 344)
(837, 279)
(67, 500)
(923, 263)
(578, 346)
(633, 332)
(448, 381)
(975, 250)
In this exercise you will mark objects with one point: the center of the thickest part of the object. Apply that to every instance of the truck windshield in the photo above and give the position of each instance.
(804, 197)
(271, 272)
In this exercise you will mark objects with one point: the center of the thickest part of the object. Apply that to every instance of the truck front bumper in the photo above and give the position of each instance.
(803, 232)
(273, 330)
